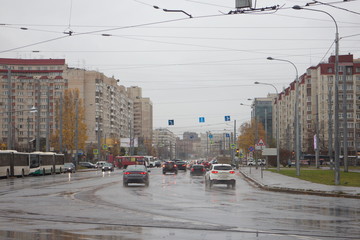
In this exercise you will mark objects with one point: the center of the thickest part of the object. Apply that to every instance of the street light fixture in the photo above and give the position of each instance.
(297, 123)
(277, 127)
(169, 10)
(336, 101)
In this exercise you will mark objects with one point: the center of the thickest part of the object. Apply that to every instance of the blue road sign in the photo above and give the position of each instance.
(171, 122)
(251, 149)
(210, 136)
(201, 119)
(227, 118)
(228, 135)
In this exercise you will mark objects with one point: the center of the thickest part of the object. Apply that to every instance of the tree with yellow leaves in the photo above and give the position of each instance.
(68, 121)
(248, 134)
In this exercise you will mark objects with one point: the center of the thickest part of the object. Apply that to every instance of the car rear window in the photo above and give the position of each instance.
(222, 168)
(198, 167)
(136, 168)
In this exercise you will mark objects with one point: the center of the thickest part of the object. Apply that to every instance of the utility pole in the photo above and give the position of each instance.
(48, 117)
(61, 123)
(234, 142)
(10, 127)
(76, 131)
(38, 116)
(330, 134)
(344, 114)
(317, 145)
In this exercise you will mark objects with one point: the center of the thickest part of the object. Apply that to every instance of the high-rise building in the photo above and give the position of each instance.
(108, 109)
(164, 142)
(143, 117)
(40, 83)
(316, 107)
(262, 112)
(28, 83)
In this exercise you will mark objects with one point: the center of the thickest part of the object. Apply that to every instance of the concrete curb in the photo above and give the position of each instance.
(299, 191)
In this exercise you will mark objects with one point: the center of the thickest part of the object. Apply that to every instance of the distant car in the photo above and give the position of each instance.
(181, 165)
(260, 162)
(206, 164)
(136, 174)
(107, 167)
(169, 166)
(197, 170)
(100, 164)
(69, 167)
(158, 163)
(87, 164)
(220, 174)
(152, 163)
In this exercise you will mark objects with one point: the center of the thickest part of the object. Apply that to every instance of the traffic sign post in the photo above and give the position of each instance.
(260, 145)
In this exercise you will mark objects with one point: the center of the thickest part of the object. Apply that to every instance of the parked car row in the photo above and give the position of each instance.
(252, 162)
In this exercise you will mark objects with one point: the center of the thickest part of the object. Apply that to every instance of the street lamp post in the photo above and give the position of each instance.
(277, 127)
(336, 101)
(297, 122)
(32, 109)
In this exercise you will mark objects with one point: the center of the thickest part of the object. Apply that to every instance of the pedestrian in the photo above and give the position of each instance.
(289, 163)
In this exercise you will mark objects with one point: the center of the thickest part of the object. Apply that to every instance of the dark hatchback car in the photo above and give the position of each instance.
(169, 167)
(69, 167)
(181, 165)
(87, 164)
(136, 174)
(107, 167)
(197, 170)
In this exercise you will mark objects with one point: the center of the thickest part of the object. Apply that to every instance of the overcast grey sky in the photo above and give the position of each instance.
(203, 66)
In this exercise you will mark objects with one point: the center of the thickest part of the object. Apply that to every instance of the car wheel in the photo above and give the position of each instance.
(125, 184)
(233, 184)
(147, 184)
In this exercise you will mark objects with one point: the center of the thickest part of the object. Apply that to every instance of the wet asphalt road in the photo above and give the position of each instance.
(95, 205)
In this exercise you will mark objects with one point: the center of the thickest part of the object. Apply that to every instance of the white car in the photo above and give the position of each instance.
(261, 162)
(220, 174)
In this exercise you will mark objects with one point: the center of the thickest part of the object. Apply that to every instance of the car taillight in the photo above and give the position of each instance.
(214, 171)
(126, 173)
(232, 172)
(175, 165)
(163, 165)
(184, 165)
(203, 169)
(143, 173)
(192, 169)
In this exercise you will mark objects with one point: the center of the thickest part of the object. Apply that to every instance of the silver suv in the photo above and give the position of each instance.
(220, 174)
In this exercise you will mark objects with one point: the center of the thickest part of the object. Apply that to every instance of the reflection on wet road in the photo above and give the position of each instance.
(95, 205)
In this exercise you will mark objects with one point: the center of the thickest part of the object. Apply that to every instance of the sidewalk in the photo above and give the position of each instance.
(277, 182)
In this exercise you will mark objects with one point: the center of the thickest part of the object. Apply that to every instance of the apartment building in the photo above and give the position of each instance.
(164, 142)
(316, 107)
(40, 83)
(35, 83)
(108, 109)
(143, 116)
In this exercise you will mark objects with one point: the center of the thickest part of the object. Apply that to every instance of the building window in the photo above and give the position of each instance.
(329, 70)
